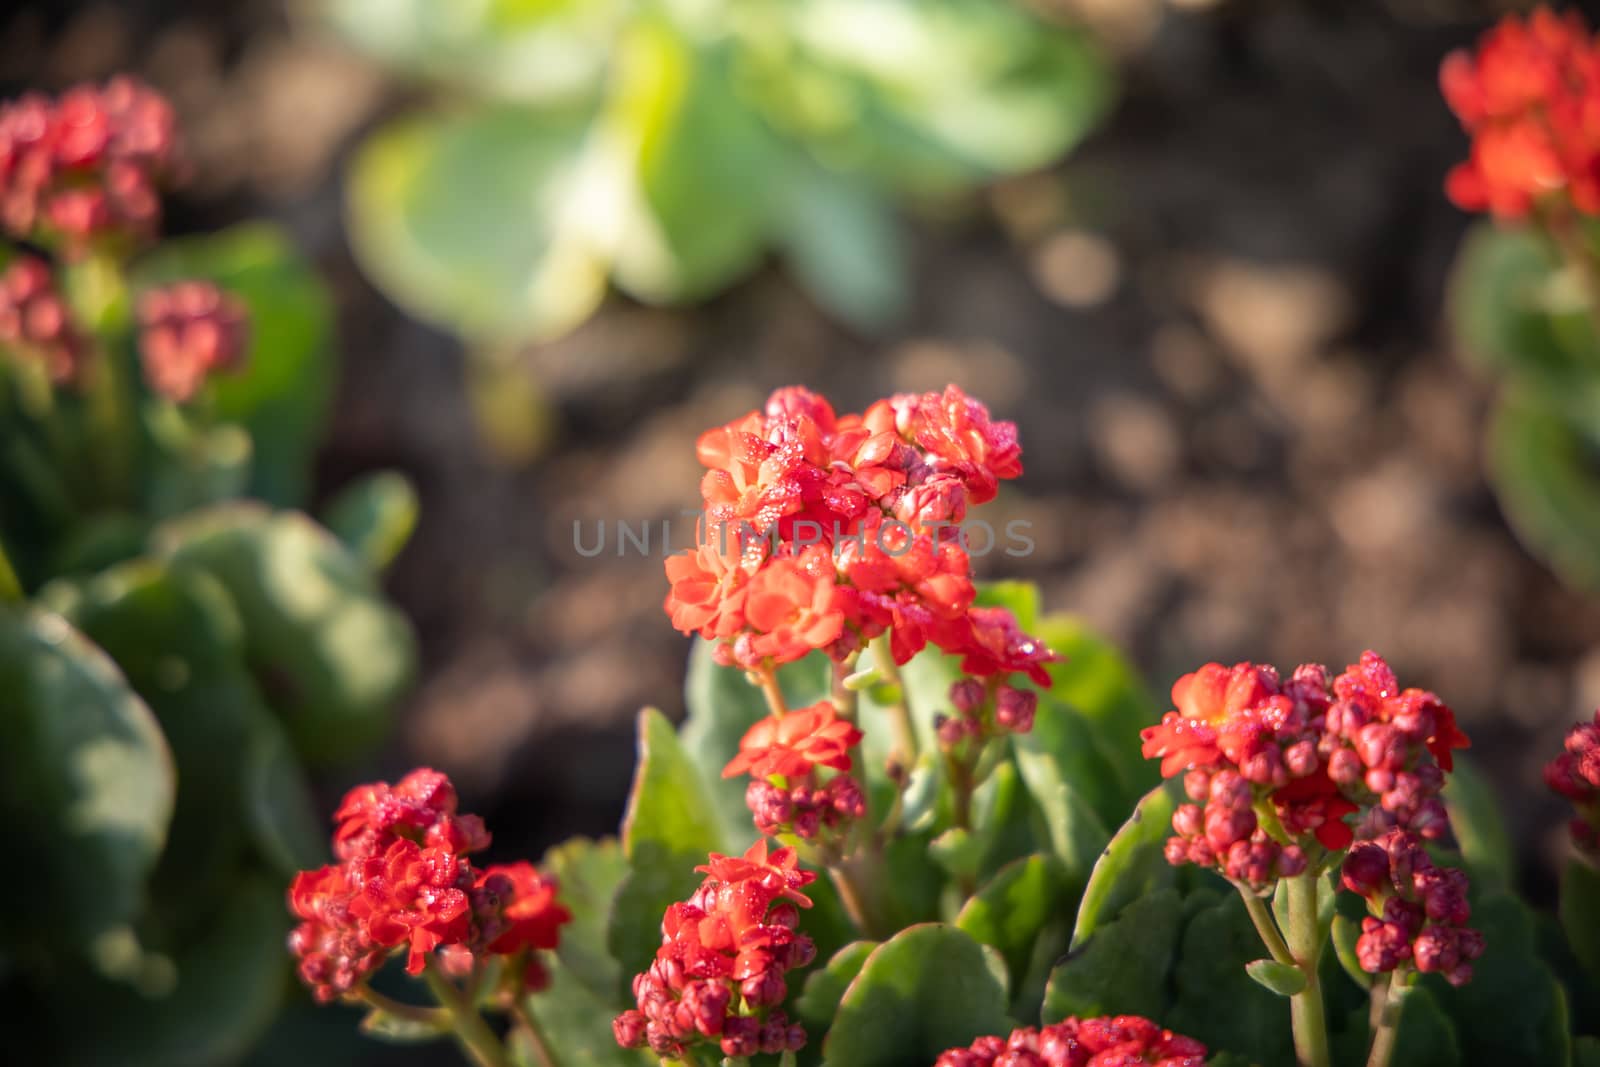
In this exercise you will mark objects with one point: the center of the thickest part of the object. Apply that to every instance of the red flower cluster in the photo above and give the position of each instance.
(187, 332)
(404, 879)
(1112, 1041)
(34, 319)
(86, 166)
(1530, 98)
(783, 755)
(719, 973)
(1314, 753)
(824, 531)
(1575, 774)
(1418, 910)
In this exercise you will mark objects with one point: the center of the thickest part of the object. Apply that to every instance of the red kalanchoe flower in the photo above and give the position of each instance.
(404, 880)
(1418, 912)
(793, 744)
(87, 167)
(792, 606)
(708, 591)
(1111, 1041)
(188, 332)
(994, 644)
(719, 972)
(34, 319)
(1575, 774)
(1530, 98)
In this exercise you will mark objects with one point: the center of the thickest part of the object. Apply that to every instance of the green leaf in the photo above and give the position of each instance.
(229, 986)
(1061, 750)
(722, 705)
(1426, 1038)
(543, 51)
(1478, 826)
(283, 394)
(374, 517)
(696, 228)
(844, 244)
(400, 1030)
(1586, 1052)
(1018, 597)
(1545, 477)
(477, 221)
(1002, 808)
(1580, 912)
(826, 986)
(1216, 1002)
(923, 991)
(589, 873)
(577, 1020)
(328, 652)
(1021, 911)
(279, 810)
(1123, 967)
(669, 828)
(1132, 865)
(1346, 931)
(86, 786)
(1513, 1007)
(1281, 978)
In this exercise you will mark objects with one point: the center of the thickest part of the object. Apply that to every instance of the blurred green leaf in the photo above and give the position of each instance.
(696, 227)
(825, 986)
(1022, 911)
(1548, 481)
(1132, 865)
(923, 991)
(86, 786)
(402, 1030)
(481, 221)
(1580, 912)
(1586, 1052)
(589, 873)
(283, 395)
(229, 987)
(1426, 1039)
(669, 828)
(577, 1021)
(1122, 967)
(1056, 761)
(279, 810)
(374, 517)
(1346, 931)
(1479, 827)
(541, 51)
(1216, 1002)
(330, 654)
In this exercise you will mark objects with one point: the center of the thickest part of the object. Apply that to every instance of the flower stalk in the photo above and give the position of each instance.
(1388, 1002)
(1304, 941)
(471, 1032)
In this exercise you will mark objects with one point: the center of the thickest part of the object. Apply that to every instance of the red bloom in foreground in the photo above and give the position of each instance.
(34, 319)
(1575, 774)
(188, 332)
(1530, 98)
(1111, 1041)
(791, 745)
(792, 607)
(718, 976)
(404, 880)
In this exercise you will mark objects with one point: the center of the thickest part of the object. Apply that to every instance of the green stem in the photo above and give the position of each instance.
(399, 1009)
(10, 584)
(1305, 945)
(1261, 915)
(528, 1023)
(471, 1032)
(1388, 1002)
(905, 731)
(846, 875)
(767, 682)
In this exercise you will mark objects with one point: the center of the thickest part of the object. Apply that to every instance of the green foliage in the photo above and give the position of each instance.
(1215, 1000)
(580, 151)
(1132, 865)
(1023, 912)
(1123, 966)
(1284, 979)
(1478, 826)
(924, 990)
(374, 517)
(1580, 912)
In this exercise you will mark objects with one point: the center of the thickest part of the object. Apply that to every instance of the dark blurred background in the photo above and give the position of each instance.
(1218, 325)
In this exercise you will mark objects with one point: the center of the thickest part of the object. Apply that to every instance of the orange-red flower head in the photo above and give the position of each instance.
(794, 744)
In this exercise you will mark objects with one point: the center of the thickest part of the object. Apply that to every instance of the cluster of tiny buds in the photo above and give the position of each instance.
(1115, 1041)
(34, 318)
(1220, 829)
(187, 332)
(1012, 710)
(1384, 757)
(1575, 774)
(807, 808)
(1419, 910)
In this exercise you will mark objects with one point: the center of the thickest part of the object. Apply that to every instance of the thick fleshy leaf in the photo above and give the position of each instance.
(481, 222)
(669, 829)
(1022, 911)
(1215, 1001)
(1132, 865)
(1283, 979)
(1122, 968)
(1479, 827)
(695, 228)
(825, 986)
(1346, 931)
(1543, 472)
(228, 988)
(577, 1021)
(278, 806)
(1062, 749)
(1513, 1009)
(86, 786)
(925, 990)
(589, 873)
(1427, 1038)
(542, 51)
(1580, 912)
(374, 517)
(283, 393)
(722, 706)
(329, 653)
